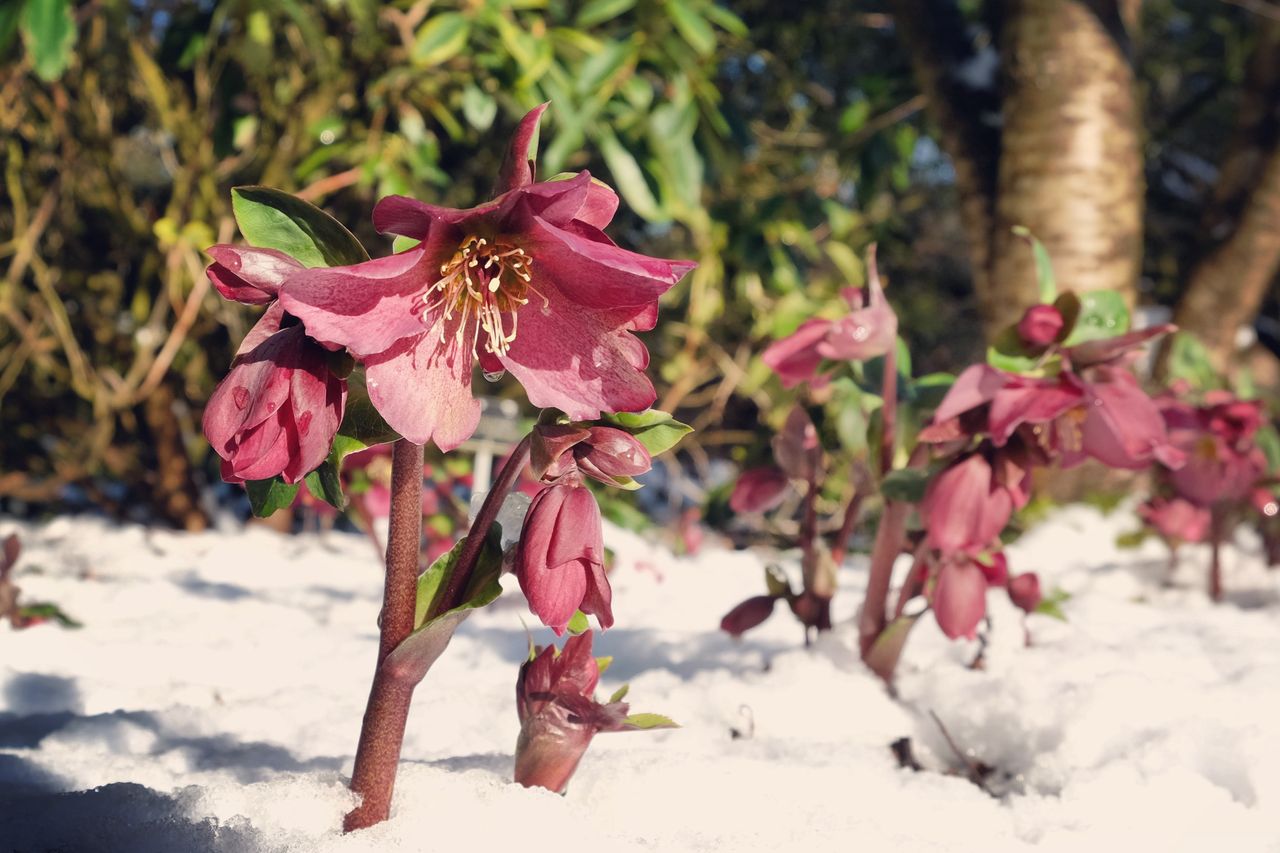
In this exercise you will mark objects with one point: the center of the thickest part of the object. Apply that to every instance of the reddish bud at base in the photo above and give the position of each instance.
(747, 615)
(1040, 325)
(1024, 591)
(759, 490)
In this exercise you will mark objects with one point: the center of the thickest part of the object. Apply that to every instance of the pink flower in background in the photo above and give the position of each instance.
(279, 407)
(870, 329)
(560, 557)
(1177, 520)
(1222, 461)
(759, 489)
(559, 714)
(526, 282)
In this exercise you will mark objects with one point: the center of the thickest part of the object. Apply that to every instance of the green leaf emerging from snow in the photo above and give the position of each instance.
(643, 722)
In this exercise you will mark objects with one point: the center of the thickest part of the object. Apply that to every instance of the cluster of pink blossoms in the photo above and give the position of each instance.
(525, 283)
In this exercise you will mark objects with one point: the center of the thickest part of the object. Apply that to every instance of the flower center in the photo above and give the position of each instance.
(483, 282)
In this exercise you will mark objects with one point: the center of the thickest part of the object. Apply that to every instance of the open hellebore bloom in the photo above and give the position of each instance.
(526, 282)
(1222, 461)
(560, 558)
(870, 329)
(967, 505)
(559, 714)
(279, 407)
(1177, 520)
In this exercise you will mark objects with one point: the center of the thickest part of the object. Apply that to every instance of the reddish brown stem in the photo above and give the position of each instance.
(1215, 559)
(889, 409)
(474, 543)
(888, 545)
(840, 545)
(382, 733)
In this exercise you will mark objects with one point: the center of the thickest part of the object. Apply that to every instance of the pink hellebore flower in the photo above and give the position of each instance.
(606, 454)
(559, 714)
(526, 282)
(560, 558)
(1176, 520)
(967, 505)
(870, 329)
(959, 597)
(279, 407)
(1222, 461)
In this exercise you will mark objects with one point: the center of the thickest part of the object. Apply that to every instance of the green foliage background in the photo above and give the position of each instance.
(771, 141)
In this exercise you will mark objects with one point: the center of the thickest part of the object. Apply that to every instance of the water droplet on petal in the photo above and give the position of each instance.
(304, 423)
(240, 396)
(494, 375)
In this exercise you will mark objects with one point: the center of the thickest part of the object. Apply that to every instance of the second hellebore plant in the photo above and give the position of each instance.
(527, 283)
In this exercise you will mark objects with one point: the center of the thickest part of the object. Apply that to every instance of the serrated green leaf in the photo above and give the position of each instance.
(1045, 279)
(599, 11)
(1097, 314)
(441, 38)
(49, 31)
(905, 484)
(267, 496)
(271, 219)
(578, 623)
(620, 694)
(643, 722)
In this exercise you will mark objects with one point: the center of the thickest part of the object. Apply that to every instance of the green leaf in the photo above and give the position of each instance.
(578, 624)
(267, 496)
(602, 663)
(479, 107)
(45, 610)
(271, 219)
(1189, 360)
(361, 422)
(49, 31)
(1268, 439)
(604, 66)
(599, 11)
(401, 243)
(324, 483)
(1044, 266)
(928, 391)
(776, 582)
(1007, 353)
(629, 177)
(635, 421)
(643, 722)
(692, 26)
(655, 429)
(905, 484)
(1097, 314)
(431, 584)
(1051, 604)
(10, 15)
(441, 38)
(882, 657)
(851, 413)
(620, 694)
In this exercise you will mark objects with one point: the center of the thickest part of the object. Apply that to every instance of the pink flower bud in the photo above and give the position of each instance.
(965, 507)
(748, 615)
(759, 490)
(560, 557)
(1024, 591)
(1040, 325)
(960, 598)
(610, 453)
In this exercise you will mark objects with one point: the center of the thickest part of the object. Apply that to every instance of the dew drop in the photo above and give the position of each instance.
(304, 423)
(494, 375)
(272, 405)
(240, 395)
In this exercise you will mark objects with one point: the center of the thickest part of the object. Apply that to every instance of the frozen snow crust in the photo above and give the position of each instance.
(213, 699)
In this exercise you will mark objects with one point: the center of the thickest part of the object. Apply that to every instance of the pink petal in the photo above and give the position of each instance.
(255, 389)
(795, 358)
(1034, 403)
(1109, 349)
(960, 599)
(592, 273)
(759, 490)
(423, 389)
(249, 275)
(577, 533)
(317, 400)
(576, 668)
(517, 167)
(408, 217)
(977, 385)
(580, 360)
(268, 324)
(597, 600)
(367, 307)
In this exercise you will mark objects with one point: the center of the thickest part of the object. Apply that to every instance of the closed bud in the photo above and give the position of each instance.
(1040, 326)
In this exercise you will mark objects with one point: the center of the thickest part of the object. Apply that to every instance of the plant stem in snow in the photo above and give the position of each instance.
(382, 732)
(474, 544)
(889, 409)
(1215, 559)
(860, 486)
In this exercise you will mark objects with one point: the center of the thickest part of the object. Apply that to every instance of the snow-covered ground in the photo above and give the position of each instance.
(213, 698)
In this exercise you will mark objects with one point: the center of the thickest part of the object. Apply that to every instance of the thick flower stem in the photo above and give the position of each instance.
(889, 410)
(888, 545)
(471, 548)
(382, 733)
(1215, 558)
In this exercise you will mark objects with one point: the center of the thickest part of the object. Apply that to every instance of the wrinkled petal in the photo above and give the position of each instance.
(249, 275)
(1032, 403)
(581, 361)
(1108, 349)
(1122, 427)
(254, 390)
(423, 389)
(963, 508)
(368, 307)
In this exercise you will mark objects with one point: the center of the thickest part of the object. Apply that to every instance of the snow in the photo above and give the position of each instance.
(212, 702)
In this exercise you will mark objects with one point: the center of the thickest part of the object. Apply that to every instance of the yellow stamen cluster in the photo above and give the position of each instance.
(483, 281)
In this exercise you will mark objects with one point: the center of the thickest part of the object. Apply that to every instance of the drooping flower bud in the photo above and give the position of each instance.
(965, 507)
(1024, 591)
(759, 489)
(748, 615)
(609, 453)
(558, 713)
(560, 558)
(960, 597)
(1040, 326)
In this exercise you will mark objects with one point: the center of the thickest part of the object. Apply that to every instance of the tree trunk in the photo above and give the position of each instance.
(1070, 164)
(1227, 286)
